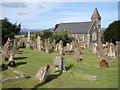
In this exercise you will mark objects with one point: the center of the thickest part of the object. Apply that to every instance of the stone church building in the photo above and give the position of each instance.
(87, 32)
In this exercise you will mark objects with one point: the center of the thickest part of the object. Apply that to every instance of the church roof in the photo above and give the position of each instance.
(76, 27)
(96, 14)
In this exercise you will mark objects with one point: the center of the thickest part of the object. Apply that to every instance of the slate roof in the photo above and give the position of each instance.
(96, 14)
(76, 27)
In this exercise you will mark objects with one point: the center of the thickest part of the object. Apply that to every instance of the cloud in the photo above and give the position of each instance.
(22, 13)
(14, 4)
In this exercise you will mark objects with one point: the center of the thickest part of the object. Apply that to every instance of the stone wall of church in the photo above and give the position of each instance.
(84, 38)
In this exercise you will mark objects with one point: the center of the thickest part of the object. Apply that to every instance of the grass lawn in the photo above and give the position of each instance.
(29, 62)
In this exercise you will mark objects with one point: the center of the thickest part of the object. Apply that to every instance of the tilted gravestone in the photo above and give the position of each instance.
(43, 73)
(59, 63)
(104, 64)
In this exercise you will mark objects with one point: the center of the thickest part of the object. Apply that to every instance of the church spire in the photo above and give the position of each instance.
(96, 14)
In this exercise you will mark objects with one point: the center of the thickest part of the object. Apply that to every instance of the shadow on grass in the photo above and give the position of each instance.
(12, 89)
(20, 63)
(50, 78)
(18, 58)
(67, 68)
(3, 67)
(21, 52)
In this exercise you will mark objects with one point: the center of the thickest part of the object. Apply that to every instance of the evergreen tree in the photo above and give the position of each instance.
(9, 30)
(112, 33)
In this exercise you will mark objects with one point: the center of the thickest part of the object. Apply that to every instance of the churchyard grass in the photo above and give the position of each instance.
(76, 75)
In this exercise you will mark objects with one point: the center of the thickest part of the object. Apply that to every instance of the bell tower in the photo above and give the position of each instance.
(96, 17)
(96, 20)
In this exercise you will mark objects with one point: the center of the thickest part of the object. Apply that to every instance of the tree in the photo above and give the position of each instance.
(55, 35)
(9, 30)
(112, 33)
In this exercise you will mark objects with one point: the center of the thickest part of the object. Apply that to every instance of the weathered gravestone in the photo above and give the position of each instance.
(28, 40)
(53, 45)
(117, 49)
(11, 61)
(56, 47)
(104, 64)
(111, 50)
(7, 48)
(15, 46)
(61, 47)
(59, 63)
(94, 50)
(68, 47)
(78, 55)
(43, 73)
(47, 45)
(38, 42)
(34, 45)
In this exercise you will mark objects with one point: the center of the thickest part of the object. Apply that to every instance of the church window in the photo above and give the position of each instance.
(94, 36)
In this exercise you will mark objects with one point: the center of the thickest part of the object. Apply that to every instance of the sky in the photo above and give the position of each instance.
(43, 15)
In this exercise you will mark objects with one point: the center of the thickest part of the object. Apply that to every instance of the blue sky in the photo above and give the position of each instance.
(42, 15)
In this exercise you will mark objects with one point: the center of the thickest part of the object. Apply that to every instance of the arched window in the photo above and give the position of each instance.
(94, 36)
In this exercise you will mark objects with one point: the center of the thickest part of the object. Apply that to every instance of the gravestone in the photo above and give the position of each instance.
(111, 50)
(71, 46)
(117, 49)
(34, 45)
(15, 46)
(94, 48)
(38, 42)
(28, 40)
(56, 47)
(11, 61)
(43, 73)
(59, 63)
(53, 45)
(61, 47)
(78, 55)
(100, 50)
(7, 48)
(68, 47)
(47, 45)
(104, 64)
